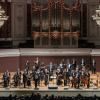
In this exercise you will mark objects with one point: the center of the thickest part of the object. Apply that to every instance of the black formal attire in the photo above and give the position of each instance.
(5, 78)
(93, 68)
(36, 77)
(24, 79)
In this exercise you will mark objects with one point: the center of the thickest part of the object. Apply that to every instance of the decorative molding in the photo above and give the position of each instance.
(9, 52)
(48, 52)
(95, 52)
(54, 52)
(44, 52)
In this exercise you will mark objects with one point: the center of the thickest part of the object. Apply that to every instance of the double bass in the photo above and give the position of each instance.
(85, 80)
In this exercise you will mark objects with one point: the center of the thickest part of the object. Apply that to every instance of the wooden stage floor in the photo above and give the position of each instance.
(61, 90)
(43, 91)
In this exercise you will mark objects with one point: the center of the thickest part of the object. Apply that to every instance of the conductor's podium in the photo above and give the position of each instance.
(53, 85)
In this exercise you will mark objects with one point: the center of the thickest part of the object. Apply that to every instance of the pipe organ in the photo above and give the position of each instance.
(56, 23)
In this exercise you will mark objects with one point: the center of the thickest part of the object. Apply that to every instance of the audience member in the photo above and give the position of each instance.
(37, 96)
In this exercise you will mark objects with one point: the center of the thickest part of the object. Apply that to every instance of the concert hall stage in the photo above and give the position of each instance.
(16, 58)
(43, 91)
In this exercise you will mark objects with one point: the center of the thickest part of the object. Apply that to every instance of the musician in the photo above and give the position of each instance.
(33, 72)
(16, 79)
(38, 72)
(83, 77)
(72, 78)
(6, 79)
(59, 79)
(33, 68)
(73, 65)
(58, 76)
(78, 75)
(61, 65)
(42, 74)
(27, 65)
(51, 67)
(36, 78)
(68, 65)
(57, 72)
(65, 75)
(50, 70)
(88, 79)
(9, 77)
(46, 79)
(28, 79)
(63, 62)
(25, 77)
(37, 63)
(19, 76)
(93, 68)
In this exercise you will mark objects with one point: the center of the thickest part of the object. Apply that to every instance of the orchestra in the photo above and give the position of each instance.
(71, 74)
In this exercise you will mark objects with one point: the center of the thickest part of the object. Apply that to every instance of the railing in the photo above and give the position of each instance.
(55, 39)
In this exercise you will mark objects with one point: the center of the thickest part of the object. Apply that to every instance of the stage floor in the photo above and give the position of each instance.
(61, 91)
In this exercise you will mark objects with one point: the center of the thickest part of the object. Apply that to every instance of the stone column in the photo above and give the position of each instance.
(19, 21)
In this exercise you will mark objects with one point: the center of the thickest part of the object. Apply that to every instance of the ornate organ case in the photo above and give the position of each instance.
(55, 23)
